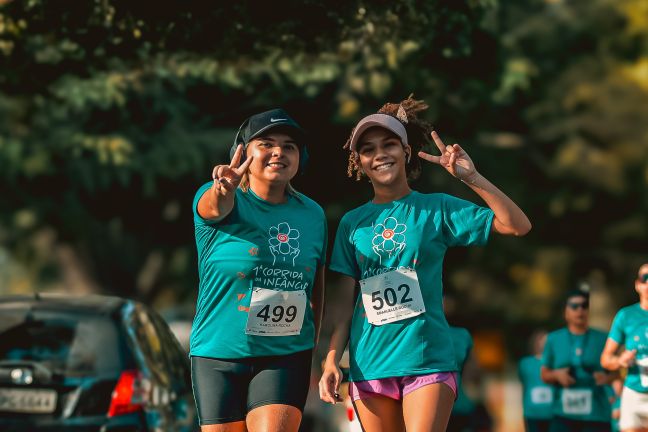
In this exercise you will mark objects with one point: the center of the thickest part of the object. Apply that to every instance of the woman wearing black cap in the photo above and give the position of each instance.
(261, 251)
(401, 354)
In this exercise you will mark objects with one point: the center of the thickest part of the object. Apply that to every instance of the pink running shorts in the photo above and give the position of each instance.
(398, 387)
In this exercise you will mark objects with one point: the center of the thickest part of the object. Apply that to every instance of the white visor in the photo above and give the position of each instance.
(381, 120)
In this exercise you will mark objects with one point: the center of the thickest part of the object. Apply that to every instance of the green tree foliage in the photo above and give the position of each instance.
(574, 94)
(114, 112)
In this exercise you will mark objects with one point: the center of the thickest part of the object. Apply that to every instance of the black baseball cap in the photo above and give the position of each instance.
(256, 125)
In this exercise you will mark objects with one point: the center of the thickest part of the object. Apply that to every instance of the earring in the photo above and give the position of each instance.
(409, 156)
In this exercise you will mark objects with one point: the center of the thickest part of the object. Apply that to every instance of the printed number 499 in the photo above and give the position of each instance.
(390, 297)
(278, 313)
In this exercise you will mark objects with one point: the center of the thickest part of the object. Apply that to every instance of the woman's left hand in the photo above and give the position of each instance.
(453, 158)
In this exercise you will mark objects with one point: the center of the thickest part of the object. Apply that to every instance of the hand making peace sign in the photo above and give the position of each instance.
(453, 158)
(228, 177)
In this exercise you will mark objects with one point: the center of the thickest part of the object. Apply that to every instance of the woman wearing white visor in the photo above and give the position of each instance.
(403, 372)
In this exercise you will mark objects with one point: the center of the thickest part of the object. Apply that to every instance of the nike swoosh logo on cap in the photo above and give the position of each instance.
(274, 120)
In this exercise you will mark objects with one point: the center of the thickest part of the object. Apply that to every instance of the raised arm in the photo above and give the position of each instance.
(218, 201)
(509, 218)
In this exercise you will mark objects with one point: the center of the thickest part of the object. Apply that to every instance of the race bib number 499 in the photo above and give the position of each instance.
(392, 296)
(276, 313)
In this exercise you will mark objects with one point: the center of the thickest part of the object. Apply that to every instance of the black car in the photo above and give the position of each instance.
(90, 363)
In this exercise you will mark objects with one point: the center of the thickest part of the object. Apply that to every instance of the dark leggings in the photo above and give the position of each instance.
(227, 389)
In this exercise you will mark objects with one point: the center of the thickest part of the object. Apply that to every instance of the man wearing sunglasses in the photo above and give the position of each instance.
(571, 363)
(630, 330)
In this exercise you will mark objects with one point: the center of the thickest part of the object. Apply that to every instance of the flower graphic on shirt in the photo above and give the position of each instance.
(284, 243)
(389, 238)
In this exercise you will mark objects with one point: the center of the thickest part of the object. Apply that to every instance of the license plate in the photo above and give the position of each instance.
(27, 401)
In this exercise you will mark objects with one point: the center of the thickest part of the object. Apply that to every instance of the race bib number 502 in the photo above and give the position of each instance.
(276, 313)
(392, 296)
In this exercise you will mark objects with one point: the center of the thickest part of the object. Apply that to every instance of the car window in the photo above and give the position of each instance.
(142, 329)
(177, 359)
(64, 342)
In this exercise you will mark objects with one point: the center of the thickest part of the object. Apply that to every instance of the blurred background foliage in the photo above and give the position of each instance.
(113, 112)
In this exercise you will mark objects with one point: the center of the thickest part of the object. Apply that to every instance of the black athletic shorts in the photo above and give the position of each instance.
(227, 389)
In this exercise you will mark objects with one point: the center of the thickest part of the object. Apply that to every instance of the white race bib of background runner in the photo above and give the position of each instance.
(392, 296)
(577, 401)
(541, 395)
(276, 313)
(642, 364)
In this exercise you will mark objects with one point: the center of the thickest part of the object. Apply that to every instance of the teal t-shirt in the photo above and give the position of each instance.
(258, 245)
(413, 232)
(462, 343)
(630, 328)
(584, 400)
(537, 396)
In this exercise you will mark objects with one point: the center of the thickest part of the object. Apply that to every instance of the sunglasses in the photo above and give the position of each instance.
(643, 278)
(581, 305)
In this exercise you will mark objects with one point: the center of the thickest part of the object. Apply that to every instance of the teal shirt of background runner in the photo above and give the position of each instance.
(423, 227)
(534, 407)
(630, 328)
(244, 251)
(561, 352)
(462, 343)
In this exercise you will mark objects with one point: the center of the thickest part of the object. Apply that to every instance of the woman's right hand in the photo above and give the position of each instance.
(228, 177)
(329, 385)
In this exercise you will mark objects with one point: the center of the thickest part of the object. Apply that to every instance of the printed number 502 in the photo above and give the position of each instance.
(390, 297)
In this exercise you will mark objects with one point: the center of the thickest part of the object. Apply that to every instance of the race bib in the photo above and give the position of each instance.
(577, 401)
(276, 313)
(642, 364)
(392, 296)
(541, 395)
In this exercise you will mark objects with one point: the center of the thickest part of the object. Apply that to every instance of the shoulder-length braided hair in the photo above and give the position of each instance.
(418, 134)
